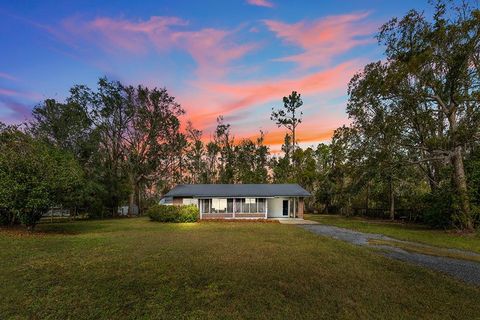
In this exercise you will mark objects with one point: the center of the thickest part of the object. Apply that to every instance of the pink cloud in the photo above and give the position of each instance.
(219, 98)
(212, 49)
(114, 34)
(251, 93)
(277, 136)
(12, 111)
(7, 76)
(22, 94)
(261, 3)
(324, 38)
(8, 92)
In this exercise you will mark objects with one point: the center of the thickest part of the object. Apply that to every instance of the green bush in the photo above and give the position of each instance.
(439, 208)
(164, 213)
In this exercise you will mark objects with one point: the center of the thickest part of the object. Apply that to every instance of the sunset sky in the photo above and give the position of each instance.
(235, 58)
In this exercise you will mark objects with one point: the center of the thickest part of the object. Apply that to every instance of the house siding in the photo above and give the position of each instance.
(275, 207)
(177, 201)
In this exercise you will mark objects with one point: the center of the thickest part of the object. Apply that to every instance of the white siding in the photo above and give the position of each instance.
(187, 201)
(275, 207)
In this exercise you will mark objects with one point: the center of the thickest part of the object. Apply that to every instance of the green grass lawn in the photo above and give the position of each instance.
(134, 268)
(404, 231)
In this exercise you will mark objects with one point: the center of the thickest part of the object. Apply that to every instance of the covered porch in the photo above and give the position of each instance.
(251, 208)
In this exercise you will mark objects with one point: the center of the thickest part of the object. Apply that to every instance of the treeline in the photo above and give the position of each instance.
(411, 150)
(414, 136)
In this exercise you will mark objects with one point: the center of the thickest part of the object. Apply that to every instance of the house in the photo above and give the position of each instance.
(123, 210)
(242, 201)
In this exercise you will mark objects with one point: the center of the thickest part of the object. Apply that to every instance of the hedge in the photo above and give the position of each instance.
(172, 213)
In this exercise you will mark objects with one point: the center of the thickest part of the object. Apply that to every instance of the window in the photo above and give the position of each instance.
(229, 205)
(293, 207)
(261, 205)
(250, 205)
(219, 205)
(239, 205)
(205, 205)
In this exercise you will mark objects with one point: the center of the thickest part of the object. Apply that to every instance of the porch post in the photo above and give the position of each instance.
(233, 208)
(266, 208)
(294, 206)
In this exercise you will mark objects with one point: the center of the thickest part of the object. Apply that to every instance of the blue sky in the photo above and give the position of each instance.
(231, 58)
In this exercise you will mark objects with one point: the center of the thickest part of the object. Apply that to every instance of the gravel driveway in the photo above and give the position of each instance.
(467, 271)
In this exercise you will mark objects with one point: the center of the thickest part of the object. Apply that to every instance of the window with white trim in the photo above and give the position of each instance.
(205, 205)
(261, 202)
(251, 205)
(219, 205)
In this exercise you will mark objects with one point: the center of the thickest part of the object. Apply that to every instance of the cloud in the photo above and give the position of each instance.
(277, 137)
(8, 92)
(244, 98)
(212, 49)
(324, 38)
(12, 111)
(131, 36)
(21, 94)
(261, 3)
(7, 76)
(248, 94)
(223, 84)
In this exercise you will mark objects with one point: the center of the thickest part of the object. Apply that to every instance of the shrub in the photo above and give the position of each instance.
(439, 208)
(164, 213)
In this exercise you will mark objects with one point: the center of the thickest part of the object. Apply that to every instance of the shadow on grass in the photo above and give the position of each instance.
(56, 228)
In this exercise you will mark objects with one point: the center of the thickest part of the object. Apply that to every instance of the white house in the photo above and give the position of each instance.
(242, 201)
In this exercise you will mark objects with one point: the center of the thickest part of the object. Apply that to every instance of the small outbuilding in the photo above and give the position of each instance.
(242, 201)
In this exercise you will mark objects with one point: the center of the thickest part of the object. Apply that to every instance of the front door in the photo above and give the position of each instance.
(285, 208)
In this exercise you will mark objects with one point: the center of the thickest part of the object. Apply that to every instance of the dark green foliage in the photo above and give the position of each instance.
(438, 208)
(163, 213)
(414, 121)
(34, 176)
(289, 116)
(5, 217)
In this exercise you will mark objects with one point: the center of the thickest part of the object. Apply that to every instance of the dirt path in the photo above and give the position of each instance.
(467, 271)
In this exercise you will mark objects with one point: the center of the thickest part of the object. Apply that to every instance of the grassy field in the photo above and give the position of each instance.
(402, 231)
(134, 268)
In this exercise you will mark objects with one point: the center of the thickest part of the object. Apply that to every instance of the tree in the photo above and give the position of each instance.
(65, 125)
(436, 64)
(225, 143)
(109, 114)
(195, 154)
(375, 122)
(251, 159)
(151, 134)
(34, 176)
(288, 116)
(281, 165)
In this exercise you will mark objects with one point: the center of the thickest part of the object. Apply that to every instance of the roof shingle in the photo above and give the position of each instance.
(237, 190)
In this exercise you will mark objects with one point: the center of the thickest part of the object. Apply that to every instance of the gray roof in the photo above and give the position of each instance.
(237, 190)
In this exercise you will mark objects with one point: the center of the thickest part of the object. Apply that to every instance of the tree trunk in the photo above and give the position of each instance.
(432, 179)
(131, 197)
(392, 201)
(465, 217)
(367, 198)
